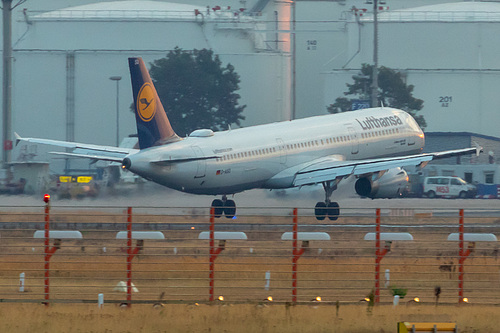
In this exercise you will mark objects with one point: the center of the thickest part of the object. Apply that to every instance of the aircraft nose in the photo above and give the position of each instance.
(126, 163)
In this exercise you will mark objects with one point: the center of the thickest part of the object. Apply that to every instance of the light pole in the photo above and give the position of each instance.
(375, 51)
(7, 82)
(294, 59)
(117, 79)
(375, 55)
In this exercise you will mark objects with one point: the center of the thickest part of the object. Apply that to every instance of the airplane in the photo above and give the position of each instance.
(371, 145)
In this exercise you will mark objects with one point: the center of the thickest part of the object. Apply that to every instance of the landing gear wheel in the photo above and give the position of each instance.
(320, 211)
(217, 205)
(230, 209)
(333, 211)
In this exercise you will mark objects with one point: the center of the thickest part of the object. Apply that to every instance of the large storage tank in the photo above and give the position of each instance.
(65, 58)
(448, 51)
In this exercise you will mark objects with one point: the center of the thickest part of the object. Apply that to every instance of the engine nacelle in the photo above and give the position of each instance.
(392, 184)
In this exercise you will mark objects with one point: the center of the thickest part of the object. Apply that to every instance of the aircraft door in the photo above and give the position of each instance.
(411, 137)
(354, 140)
(282, 149)
(201, 163)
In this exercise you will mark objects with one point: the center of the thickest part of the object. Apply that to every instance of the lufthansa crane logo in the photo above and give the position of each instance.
(146, 103)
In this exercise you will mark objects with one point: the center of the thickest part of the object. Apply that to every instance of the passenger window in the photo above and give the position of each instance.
(443, 181)
(455, 182)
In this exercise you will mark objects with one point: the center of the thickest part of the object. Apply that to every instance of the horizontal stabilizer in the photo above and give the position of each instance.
(93, 157)
(75, 145)
(81, 150)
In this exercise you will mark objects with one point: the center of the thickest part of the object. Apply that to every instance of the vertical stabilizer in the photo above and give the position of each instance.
(153, 126)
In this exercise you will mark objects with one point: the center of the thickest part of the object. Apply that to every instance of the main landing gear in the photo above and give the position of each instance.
(224, 206)
(328, 208)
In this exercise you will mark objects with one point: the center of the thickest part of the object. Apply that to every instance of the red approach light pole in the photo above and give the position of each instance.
(463, 254)
(48, 250)
(296, 255)
(130, 255)
(379, 254)
(214, 252)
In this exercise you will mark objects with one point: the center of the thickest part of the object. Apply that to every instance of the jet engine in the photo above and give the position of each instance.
(392, 184)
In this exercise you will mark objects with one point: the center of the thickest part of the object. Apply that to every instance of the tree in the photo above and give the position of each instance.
(197, 91)
(393, 92)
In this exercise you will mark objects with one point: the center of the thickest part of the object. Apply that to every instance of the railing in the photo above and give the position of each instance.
(181, 267)
(435, 16)
(138, 15)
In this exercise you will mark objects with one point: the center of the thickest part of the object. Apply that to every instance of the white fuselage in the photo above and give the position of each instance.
(267, 156)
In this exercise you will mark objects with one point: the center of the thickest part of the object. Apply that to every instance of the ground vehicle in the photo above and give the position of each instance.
(443, 186)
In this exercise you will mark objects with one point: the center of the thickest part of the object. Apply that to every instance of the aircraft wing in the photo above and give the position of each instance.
(96, 152)
(330, 170)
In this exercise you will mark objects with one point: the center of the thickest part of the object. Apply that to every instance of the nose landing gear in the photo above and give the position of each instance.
(224, 206)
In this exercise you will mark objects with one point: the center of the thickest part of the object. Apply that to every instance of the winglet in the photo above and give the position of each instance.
(18, 138)
(479, 149)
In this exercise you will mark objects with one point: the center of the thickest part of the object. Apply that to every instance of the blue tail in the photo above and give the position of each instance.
(153, 126)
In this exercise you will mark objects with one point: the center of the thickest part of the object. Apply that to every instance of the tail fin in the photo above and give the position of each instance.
(153, 126)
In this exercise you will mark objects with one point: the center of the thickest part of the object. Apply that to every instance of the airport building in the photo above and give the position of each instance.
(294, 59)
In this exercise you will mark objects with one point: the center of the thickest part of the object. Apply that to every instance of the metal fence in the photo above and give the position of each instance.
(155, 255)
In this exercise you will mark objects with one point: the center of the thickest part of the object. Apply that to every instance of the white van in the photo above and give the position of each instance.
(442, 186)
